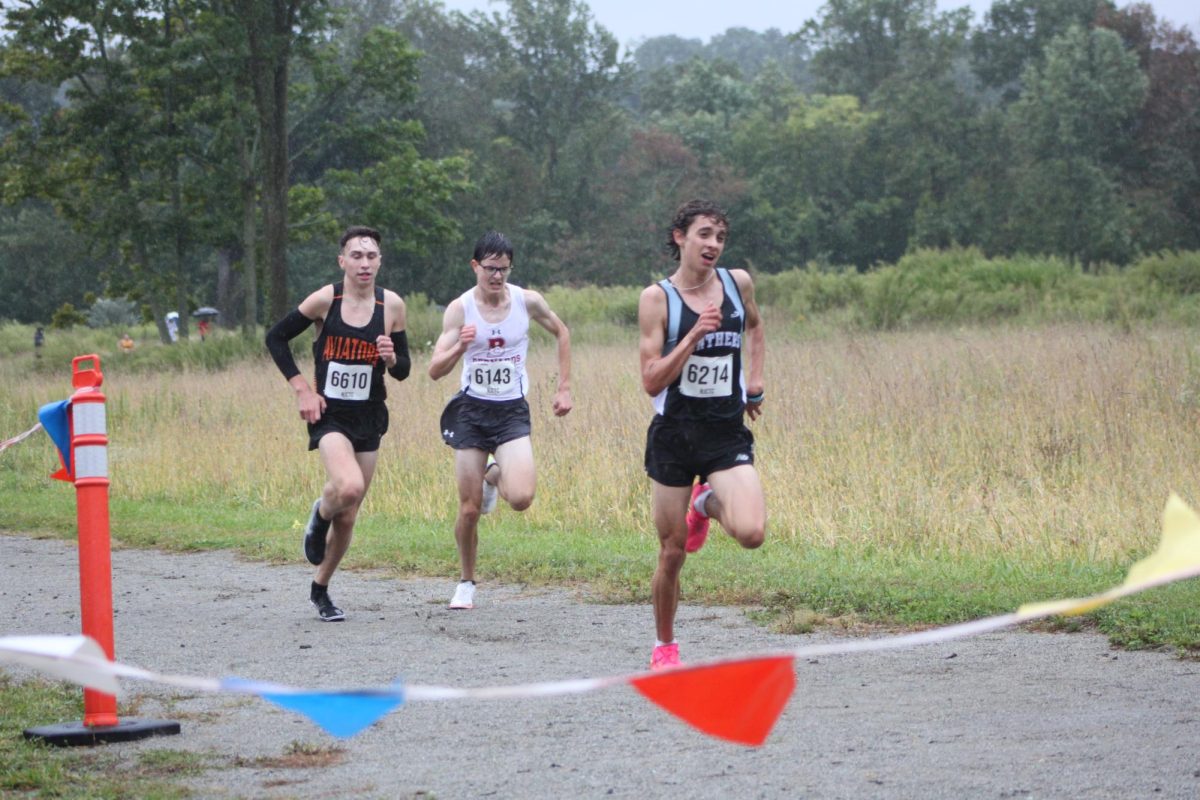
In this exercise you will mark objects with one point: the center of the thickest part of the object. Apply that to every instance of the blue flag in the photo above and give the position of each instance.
(55, 421)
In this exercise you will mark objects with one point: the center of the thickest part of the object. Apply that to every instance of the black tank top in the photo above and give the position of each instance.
(711, 387)
(349, 369)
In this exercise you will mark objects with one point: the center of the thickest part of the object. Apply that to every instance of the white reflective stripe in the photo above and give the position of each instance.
(88, 418)
(91, 461)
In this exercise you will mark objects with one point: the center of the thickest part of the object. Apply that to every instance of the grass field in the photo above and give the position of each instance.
(912, 478)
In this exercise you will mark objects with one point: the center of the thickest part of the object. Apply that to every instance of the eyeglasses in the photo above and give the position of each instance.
(498, 272)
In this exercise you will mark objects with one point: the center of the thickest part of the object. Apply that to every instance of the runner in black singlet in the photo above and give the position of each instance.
(360, 334)
(701, 347)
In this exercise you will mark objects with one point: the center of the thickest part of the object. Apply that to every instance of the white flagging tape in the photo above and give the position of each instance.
(7, 443)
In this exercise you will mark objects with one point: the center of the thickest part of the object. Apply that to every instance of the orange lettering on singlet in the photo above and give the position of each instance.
(346, 348)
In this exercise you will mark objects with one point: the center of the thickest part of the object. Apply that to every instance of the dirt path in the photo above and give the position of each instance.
(1008, 715)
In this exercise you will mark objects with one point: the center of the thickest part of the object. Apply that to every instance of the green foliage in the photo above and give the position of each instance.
(961, 286)
(67, 317)
(107, 312)
(1176, 273)
(146, 142)
(809, 291)
(587, 305)
(1073, 126)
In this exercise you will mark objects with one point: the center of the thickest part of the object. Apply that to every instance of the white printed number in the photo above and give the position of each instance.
(348, 381)
(493, 379)
(705, 376)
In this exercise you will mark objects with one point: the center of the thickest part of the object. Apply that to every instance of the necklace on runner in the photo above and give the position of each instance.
(697, 286)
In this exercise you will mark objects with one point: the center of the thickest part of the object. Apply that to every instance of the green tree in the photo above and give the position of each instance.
(270, 33)
(859, 45)
(110, 159)
(43, 264)
(1074, 126)
(816, 186)
(1016, 32)
(1161, 176)
(560, 70)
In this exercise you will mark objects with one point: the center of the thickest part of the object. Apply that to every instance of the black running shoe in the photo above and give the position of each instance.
(326, 610)
(314, 535)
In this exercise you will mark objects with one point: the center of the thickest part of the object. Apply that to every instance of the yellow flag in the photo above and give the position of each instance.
(1177, 556)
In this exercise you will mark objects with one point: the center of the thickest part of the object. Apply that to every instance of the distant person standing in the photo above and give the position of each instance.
(488, 328)
(203, 326)
(360, 334)
(39, 339)
(693, 328)
(126, 343)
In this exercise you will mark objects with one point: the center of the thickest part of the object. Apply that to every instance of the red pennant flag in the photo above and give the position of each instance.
(734, 700)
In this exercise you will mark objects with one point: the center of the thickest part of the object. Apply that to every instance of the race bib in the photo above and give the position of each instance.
(347, 381)
(492, 378)
(707, 376)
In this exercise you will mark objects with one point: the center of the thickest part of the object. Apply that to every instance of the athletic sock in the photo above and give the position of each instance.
(701, 501)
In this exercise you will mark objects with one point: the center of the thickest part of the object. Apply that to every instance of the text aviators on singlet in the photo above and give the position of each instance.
(711, 386)
(349, 369)
(494, 364)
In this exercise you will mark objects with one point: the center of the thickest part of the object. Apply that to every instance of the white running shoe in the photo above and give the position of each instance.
(490, 492)
(464, 595)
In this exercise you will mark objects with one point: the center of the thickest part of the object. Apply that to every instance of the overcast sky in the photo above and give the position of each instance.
(632, 20)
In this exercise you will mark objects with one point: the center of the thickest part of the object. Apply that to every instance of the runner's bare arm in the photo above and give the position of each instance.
(540, 311)
(659, 370)
(453, 341)
(756, 338)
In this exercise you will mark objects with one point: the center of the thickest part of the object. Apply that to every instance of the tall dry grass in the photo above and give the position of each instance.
(1056, 442)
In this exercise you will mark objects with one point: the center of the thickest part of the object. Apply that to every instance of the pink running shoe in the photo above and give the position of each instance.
(665, 656)
(697, 523)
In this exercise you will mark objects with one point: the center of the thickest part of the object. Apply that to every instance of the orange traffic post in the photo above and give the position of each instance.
(87, 468)
(89, 461)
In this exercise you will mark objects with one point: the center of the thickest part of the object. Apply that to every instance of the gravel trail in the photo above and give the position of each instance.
(1007, 715)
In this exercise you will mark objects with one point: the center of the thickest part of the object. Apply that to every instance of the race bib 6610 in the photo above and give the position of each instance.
(347, 381)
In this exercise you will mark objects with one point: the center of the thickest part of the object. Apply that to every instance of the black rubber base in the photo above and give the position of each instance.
(72, 734)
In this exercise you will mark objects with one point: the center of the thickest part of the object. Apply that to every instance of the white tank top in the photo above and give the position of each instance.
(494, 364)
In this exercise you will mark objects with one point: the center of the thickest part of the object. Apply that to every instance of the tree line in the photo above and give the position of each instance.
(207, 152)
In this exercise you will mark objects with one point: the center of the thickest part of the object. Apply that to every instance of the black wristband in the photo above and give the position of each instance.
(403, 364)
(754, 398)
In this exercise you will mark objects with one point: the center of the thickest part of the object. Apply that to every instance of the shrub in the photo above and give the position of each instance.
(1177, 273)
(112, 313)
(67, 317)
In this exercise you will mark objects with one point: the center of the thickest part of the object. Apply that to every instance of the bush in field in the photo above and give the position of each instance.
(807, 292)
(593, 304)
(1176, 273)
(423, 322)
(109, 312)
(963, 286)
(67, 317)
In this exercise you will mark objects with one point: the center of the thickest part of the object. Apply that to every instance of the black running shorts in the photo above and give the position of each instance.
(472, 424)
(364, 424)
(676, 451)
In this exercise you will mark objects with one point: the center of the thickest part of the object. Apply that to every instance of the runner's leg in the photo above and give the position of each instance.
(468, 472)
(670, 510)
(518, 476)
(348, 475)
(737, 503)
